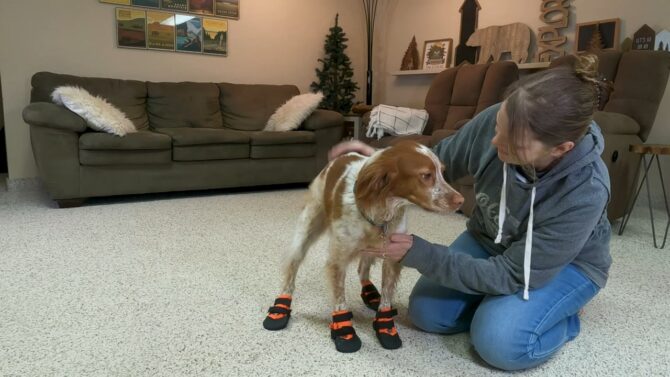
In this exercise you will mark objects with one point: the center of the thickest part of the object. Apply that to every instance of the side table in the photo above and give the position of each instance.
(357, 120)
(654, 150)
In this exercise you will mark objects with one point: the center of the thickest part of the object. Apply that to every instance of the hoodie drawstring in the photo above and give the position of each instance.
(502, 208)
(527, 250)
(529, 231)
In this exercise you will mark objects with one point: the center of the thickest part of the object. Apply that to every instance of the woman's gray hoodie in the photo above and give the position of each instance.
(569, 222)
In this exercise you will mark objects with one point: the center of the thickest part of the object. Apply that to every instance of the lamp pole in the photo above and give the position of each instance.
(370, 8)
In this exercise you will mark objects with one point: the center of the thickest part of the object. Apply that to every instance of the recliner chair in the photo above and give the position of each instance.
(627, 116)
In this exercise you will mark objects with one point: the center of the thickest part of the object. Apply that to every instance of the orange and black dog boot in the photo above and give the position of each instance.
(342, 332)
(386, 330)
(370, 295)
(278, 314)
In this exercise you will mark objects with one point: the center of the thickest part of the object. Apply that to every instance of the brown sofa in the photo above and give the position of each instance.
(455, 96)
(627, 114)
(192, 136)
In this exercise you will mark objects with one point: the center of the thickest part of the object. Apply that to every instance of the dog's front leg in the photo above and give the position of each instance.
(341, 328)
(383, 323)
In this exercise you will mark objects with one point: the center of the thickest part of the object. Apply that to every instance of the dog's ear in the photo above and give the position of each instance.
(374, 179)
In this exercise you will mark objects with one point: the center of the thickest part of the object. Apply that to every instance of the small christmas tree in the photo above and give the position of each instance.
(334, 79)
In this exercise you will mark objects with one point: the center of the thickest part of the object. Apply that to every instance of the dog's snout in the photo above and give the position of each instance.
(456, 200)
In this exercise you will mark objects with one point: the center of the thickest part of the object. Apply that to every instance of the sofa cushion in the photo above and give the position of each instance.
(204, 144)
(129, 96)
(248, 107)
(139, 148)
(281, 138)
(290, 144)
(203, 136)
(146, 140)
(183, 104)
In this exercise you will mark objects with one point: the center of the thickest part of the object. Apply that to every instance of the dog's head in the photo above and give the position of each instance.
(404, 173)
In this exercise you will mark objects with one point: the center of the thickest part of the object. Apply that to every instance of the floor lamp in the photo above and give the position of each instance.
(370, 8)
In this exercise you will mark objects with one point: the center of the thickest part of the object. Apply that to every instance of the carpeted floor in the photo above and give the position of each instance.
(178, 285)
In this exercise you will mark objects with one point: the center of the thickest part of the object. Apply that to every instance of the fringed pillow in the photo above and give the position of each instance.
(99, 114)
(291, 114)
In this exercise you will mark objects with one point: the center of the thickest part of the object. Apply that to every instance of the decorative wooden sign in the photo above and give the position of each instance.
(644, 38)
(469, 20)
(493, 41)
(411, 60)
(556, 14)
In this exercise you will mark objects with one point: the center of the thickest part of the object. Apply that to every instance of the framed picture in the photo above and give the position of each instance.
(437, 53)
(160, 30)
(146, 3)
(227, 8)
(117, 2)
(597, 35)
(131, 28)
(205, 7)
(215, 36)
(188, 33)
(179, 5)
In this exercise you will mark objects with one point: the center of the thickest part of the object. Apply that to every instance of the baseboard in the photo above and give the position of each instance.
(24, 184)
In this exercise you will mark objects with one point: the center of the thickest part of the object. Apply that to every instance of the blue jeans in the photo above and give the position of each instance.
(506, 331)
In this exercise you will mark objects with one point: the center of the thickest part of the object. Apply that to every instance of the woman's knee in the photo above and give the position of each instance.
(437, 309)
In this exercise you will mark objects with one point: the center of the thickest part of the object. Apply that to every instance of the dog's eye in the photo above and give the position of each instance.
(426, 176)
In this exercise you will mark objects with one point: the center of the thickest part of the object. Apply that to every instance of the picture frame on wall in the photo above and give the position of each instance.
(177, 5)
(599, 35)
(205, 7)
(117, 2)
(188, 30)
(437, 54)
(131, 28)
(160, 30)
(227, 8)
(147, 3)
(215, 36)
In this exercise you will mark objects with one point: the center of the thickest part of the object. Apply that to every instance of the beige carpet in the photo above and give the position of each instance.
(178, 285)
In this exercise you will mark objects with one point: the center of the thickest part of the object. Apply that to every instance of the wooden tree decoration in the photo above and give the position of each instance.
(596, 43)
(411, 59)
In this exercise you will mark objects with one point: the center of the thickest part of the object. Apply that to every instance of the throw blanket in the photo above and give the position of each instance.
(396, 121)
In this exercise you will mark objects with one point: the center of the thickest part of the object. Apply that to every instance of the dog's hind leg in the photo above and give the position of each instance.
(341, 328)
(311, 224)
(383, 323)
(369, 292)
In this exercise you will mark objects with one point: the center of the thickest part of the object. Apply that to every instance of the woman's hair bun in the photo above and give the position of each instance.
(586, 68)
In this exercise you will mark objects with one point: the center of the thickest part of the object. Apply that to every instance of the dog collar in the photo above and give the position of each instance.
(383, 226)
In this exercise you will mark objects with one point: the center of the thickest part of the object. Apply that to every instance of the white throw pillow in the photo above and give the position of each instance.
(291, 114)
(99, 114)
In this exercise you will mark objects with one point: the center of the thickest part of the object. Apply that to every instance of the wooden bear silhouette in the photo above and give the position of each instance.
(495, 40)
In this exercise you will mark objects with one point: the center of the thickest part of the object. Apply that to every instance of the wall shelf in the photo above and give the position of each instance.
(418, 72)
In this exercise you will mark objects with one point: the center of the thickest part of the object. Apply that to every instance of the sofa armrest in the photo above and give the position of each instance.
(616, 123)
(45, 114)
(321, 119)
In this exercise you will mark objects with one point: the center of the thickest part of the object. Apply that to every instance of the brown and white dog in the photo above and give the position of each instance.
(361, 201)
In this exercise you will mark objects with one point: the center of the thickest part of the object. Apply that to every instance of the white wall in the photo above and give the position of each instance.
(274, 42)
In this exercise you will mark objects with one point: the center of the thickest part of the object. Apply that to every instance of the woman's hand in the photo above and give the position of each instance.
(394, 250)
(350, 146)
